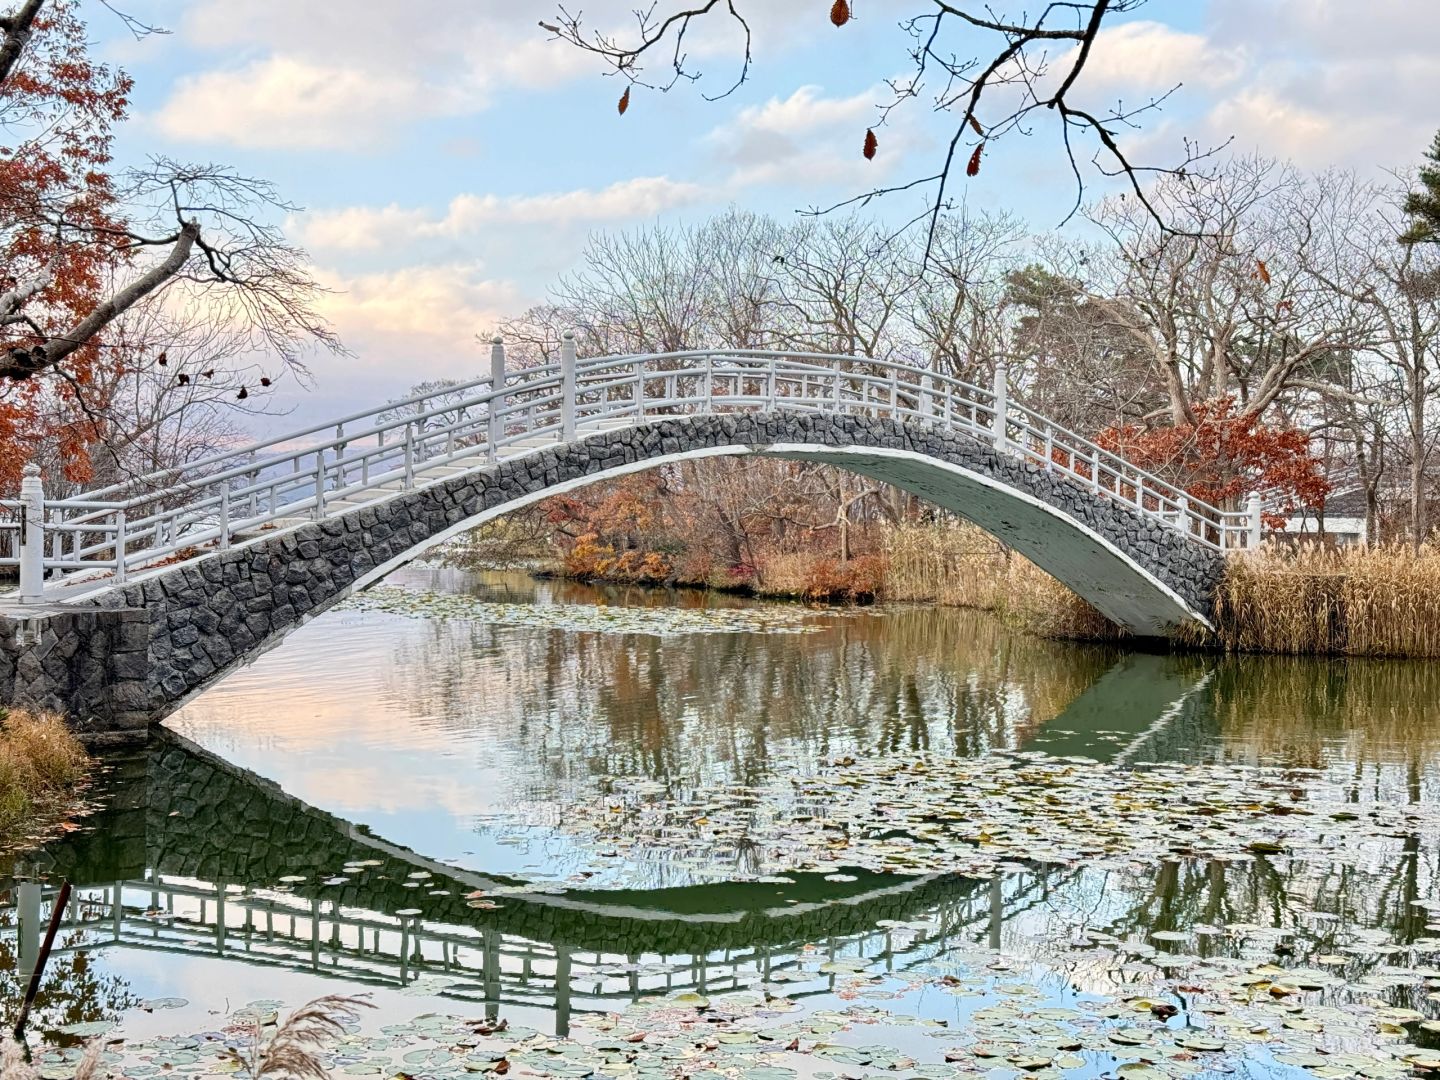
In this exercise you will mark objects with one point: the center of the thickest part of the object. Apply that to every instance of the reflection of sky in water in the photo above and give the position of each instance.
(466, 741)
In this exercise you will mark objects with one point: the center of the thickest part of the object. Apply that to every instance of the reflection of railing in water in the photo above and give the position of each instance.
(482, 966)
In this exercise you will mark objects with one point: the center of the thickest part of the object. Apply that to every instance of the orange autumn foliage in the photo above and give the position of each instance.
(57, 110)
(1225, 455)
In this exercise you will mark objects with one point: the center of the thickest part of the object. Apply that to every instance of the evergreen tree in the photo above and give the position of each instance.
(1423, 205)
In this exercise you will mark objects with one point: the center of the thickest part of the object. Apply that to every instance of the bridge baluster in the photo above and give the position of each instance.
(567, 385)
(32, 535)
(120, 545)
(320, 483)
(1001, 391)
(224, 519)
(497, 395)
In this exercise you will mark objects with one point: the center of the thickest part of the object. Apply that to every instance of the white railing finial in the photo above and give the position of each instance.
(1254, 509)
(568, 385)
(497, 383)
(1001, 390)
(32, 535)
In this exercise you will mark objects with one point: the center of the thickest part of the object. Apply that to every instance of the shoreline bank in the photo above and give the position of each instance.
(1372, 603)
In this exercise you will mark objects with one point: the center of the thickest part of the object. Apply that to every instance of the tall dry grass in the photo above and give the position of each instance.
(13, 1065)
(960, 565)
(40, 764)
(1348, 601)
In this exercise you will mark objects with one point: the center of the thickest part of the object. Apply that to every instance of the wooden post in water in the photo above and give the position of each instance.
(57, 914)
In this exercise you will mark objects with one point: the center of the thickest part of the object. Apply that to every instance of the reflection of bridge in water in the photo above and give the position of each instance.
(157, 877)
(479, 965)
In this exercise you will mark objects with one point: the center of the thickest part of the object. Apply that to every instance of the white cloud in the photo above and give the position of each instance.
(429, 311)
(343, 75)
(370, 229)
(1313, 81)
(1141, 58)
(809, 139)
(285, 102)
(401, 327)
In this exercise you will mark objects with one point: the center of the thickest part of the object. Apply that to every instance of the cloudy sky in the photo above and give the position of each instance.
(452, 160)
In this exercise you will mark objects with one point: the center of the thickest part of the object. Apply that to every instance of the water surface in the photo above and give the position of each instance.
(329, 817)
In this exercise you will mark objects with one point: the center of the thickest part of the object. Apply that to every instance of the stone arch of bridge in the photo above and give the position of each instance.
(183, 628)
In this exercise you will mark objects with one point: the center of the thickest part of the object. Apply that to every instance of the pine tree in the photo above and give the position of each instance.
(1423, 205)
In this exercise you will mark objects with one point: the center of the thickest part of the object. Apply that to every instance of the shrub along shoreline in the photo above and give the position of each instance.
(43, 772)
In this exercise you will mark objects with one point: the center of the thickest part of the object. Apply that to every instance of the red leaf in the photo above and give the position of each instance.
(974, 166)
(242, 395)
(265, 382)
(840, 13)
(624, 101)
(975, 127)
(871, 144)
(1261, 272)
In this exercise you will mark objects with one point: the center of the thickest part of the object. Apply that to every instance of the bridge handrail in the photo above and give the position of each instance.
(169, 515)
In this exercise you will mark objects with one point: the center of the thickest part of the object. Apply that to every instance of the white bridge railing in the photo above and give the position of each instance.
(64, 546)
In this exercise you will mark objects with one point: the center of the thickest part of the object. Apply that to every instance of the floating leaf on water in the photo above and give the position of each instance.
(88, 1029)
(1199, 1042)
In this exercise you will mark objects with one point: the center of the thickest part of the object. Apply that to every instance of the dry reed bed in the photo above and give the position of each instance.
(960, 565)
(1343, 602)
(41, 764)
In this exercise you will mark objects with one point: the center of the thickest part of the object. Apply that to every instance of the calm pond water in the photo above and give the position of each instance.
(324, 820)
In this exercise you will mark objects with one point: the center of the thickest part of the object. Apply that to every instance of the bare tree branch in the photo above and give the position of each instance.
(965, 81)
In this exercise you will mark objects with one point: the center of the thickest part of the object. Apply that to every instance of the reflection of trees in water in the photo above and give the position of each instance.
(725, 706)
(1315, 712)
(73, 990)
(1266, 892)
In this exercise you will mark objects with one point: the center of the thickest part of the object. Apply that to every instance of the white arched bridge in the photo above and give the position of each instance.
(132, 597)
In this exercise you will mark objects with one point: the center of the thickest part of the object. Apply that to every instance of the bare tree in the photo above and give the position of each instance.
(207, 226)
(844, 289)
(1236, 306)
(1399, 284)
(992, 72)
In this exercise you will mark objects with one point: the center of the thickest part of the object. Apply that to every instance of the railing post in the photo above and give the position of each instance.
(1001, 390)
(497, 399)
(927, 396)
(121, 542)
(1253, 509)
(410, 455)
(319, 484)
(32, 535)
(224, 516)
(567, 386)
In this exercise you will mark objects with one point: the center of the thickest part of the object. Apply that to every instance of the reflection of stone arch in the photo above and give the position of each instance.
(204, 819)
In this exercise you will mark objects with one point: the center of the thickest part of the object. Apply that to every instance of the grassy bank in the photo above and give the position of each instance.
(41, 769)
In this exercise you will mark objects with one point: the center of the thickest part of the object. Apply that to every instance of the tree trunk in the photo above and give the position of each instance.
(1418, 525)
